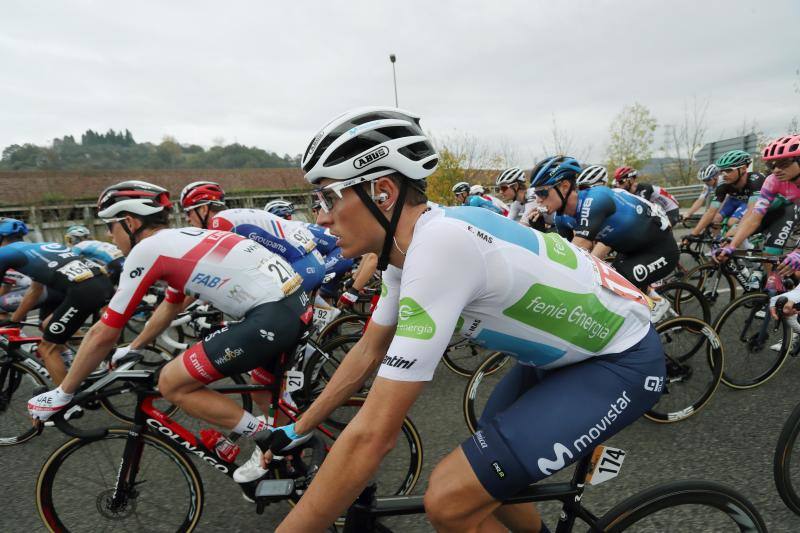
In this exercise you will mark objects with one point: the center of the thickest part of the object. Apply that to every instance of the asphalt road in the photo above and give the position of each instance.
(731, 441)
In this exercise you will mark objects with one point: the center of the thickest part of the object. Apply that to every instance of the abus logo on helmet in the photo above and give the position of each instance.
(371, 157)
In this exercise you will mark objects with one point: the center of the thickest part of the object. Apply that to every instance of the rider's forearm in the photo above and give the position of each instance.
(705, 220)
(320, 506)
(163, 316)
(348, 379)
(695, 206)
(28, 302)
(365, 271)
(586, 244)
(96, 344)
(600, 250)
(747, 227)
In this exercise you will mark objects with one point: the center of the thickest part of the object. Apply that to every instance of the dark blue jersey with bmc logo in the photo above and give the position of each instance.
(49, 263)
(619, 219)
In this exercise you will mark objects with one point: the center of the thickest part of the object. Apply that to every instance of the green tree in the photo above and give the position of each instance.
(631, 137)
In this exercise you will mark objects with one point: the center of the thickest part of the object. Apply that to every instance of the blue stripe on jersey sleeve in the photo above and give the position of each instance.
(499, 226)
(526, 351)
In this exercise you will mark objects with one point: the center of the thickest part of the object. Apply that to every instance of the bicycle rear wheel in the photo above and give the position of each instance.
(480, 386)
(754, 349)
(75, 488)
(18, 384)
(786, 463)
(686, 300)
(684, 506)
(464, 357)
(694, 360)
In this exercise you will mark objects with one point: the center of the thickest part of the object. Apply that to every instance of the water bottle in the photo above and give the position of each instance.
(222, 446)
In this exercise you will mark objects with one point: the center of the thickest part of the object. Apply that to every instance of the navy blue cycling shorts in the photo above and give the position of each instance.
(733, 208)
(537, 422)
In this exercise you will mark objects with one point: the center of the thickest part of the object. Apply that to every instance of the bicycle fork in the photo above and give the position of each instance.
(125, 484)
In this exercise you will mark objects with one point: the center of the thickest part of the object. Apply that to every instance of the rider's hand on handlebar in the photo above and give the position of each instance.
(788, 308)
(790, 264)
(723, 254)
(48, 403)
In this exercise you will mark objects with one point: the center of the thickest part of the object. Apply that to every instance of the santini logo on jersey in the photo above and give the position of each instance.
(398, 362)
(371, 157)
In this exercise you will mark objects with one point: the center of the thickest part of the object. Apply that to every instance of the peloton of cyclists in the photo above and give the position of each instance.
(233, 274)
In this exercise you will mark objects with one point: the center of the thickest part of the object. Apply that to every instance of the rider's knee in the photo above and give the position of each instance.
(168, 387)
(440, 500)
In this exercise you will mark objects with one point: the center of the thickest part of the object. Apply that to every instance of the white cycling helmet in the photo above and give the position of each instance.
(281, 208)
(370, 142)
(461, 186)
(134, 197)
(708, 173)
(477, 189)
(510, 175)
(591, 176)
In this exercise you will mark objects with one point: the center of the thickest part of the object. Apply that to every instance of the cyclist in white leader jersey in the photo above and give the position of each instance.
(237, 276)
(589, 361)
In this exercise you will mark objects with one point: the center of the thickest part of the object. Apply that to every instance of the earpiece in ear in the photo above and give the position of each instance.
(382, 197)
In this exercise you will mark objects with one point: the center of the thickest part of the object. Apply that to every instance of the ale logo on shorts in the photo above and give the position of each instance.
(559, 251)
(413, 321)
(580, 319)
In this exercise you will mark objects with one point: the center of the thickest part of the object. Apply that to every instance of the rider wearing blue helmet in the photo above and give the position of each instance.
(83, 284)
(610, 219)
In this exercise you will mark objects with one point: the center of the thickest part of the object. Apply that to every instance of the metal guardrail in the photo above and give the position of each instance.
(48, 223)
(685, 192)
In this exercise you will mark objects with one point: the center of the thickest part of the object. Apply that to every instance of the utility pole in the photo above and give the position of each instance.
(393, 58)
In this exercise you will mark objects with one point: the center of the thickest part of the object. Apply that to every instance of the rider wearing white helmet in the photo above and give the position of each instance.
(592, 176)
(368, 165)
(708, 176)
(511, 184)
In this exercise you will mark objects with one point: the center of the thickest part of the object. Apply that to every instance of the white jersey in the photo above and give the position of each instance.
(289, 238)
(232, 273)
(509, 288)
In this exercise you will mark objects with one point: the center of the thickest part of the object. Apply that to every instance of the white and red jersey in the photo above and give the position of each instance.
(498, 203)
(232, 273)
(657, 195)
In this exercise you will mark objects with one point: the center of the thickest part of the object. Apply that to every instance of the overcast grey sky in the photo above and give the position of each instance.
(270, 73)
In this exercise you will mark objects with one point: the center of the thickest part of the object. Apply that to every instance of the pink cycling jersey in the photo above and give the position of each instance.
(772, 188)
(232, 273)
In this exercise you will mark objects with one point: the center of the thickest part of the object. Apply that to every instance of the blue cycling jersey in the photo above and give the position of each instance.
(326, 242)
(98, 251)
(290, 239)
(619, 219)
(49, 263)
(477, 201)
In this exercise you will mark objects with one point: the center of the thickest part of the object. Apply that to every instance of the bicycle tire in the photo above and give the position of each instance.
(455, 359)
(58, 470)
(684, 368)
(489, 367)
(323, 363)
(687, 300)
(633, 510)
(335, 328)
(782, 462)
(741, 347)
(719, 294)
(18, 384)
(408, 469)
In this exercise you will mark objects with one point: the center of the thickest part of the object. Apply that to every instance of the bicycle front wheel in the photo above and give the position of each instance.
(18, 384)
(684, 506)
(76, 487)
(694, 360)
(786, 467)
(754, 349)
